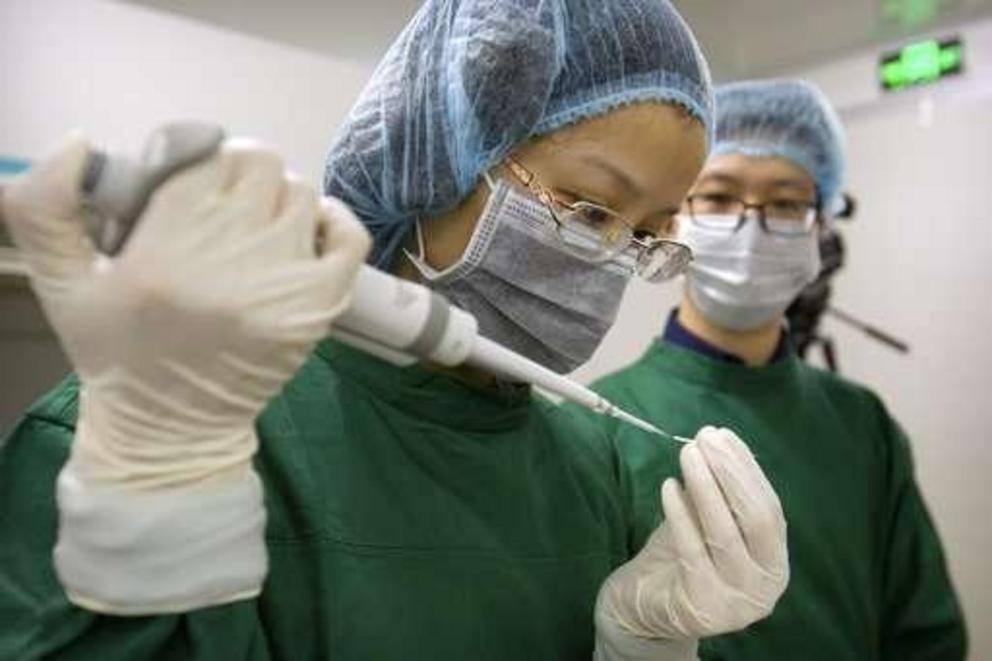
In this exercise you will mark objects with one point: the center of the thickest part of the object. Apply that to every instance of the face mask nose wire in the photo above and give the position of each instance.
(747, 215)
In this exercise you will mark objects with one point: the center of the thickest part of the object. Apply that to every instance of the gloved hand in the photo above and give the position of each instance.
(179, 342)
(717, 563)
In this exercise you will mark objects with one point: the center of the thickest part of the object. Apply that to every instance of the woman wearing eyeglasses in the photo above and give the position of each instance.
(209, 488)
(868, 574)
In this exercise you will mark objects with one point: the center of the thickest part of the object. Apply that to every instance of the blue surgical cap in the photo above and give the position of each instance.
(787, 118)
(468, 80)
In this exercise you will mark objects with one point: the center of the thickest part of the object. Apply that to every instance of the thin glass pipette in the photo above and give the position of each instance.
(500, 360)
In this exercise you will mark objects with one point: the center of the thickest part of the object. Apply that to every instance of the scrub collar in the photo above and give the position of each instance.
(431, 395)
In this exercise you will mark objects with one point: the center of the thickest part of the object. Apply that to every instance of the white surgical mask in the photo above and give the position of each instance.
(524, 289)
(743, 280)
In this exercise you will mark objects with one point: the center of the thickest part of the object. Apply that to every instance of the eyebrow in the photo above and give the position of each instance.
(616, 173)
(721, 178)
(623, 179)
(789, 183)
(718, 177)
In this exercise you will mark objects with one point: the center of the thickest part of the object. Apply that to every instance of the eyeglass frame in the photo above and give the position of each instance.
(814, 210)
(548, 198)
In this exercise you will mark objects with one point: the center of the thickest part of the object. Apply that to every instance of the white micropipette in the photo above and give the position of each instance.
(394, 319)
(496, 358)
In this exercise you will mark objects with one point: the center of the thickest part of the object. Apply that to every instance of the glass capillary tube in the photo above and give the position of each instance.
(500, 360)
(618, 413)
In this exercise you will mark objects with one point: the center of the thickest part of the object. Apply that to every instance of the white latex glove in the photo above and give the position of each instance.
(179, 342)
(718, 562)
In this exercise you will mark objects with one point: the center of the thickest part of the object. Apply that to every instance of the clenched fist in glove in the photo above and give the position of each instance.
(717, 563)
(179, 342)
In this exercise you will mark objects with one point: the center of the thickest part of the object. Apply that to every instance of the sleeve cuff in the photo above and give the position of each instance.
(140, 552)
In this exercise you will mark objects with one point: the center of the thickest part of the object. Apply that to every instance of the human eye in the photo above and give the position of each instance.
(787, 208)
(715, 202)
(595, 215)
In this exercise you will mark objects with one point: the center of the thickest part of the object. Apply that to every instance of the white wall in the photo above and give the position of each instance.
(117, 71)
(919, 265)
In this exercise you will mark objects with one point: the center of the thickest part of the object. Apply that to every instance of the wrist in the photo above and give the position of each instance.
(614, 642)
(123, 441)
(134, 551)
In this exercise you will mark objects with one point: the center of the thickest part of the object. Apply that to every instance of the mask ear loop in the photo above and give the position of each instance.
(488, 178)
(419, 260)
(419, 232)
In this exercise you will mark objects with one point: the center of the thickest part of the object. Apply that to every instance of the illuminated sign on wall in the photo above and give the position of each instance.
(920, 63)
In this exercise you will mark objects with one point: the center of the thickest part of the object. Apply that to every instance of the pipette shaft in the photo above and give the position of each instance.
(495, 358)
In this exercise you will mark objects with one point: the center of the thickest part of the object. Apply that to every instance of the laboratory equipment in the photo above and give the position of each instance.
(394, 319)
(814, 302)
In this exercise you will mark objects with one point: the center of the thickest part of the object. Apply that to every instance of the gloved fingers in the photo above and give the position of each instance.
(42, 211)
(755, 505)
(722, 536)
(739, 467)
(296, 302)
(750, 469)
(179, 208)
(345, 243)
(300, 212)
(291, 237)
(258, 183)
(274, 255)
(341, 231)
(685, 531)
(218, 202)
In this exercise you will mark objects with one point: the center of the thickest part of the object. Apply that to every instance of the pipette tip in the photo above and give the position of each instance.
(619, 413)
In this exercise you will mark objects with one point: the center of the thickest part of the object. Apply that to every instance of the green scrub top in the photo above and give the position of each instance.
(409, 517)
(868, 577)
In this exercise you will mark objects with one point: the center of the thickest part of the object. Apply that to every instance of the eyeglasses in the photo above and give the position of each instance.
(726, 213)
(598, 234)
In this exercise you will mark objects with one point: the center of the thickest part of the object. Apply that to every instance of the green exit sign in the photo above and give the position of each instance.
(920, 63)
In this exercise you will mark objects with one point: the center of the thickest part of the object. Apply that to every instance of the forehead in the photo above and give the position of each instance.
(658, 149)
(757, 172)
(638, 133)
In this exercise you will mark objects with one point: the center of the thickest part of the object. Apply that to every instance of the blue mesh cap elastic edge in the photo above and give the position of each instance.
(662, 87)
(788, 118)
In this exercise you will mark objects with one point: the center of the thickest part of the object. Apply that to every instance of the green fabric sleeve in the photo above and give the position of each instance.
(922, 617)
(37, 620)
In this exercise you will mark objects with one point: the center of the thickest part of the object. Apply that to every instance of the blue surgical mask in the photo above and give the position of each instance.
(745, 279)
(525, 290)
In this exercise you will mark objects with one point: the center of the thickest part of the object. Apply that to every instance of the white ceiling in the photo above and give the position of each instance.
(358, 30)
(741, 37)
(744, 38)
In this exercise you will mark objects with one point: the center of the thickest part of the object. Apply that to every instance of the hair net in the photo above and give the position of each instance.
(468, 80)
(788, 118)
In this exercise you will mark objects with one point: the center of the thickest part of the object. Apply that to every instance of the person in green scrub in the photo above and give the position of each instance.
(869, 580)
(208, 485)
